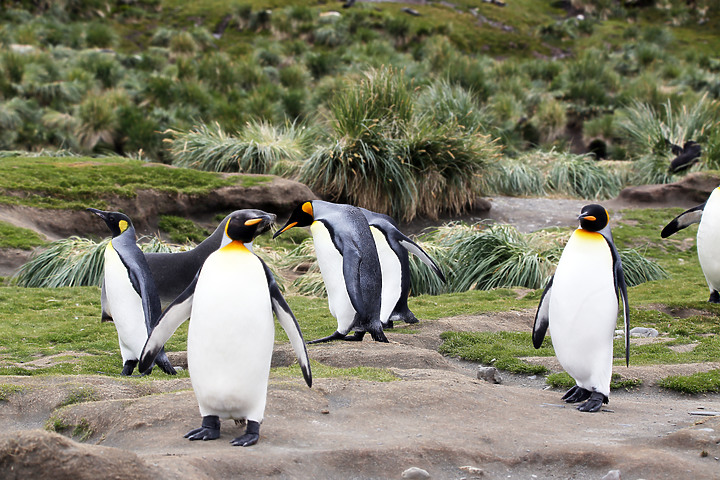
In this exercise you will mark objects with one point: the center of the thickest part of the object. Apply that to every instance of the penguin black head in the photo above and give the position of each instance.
(244, 225)
(302, 216)
(116, 221)
(594, 217)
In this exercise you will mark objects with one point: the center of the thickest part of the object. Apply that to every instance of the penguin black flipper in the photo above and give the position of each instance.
(173, 316)
(289, 323)
(416, 250)
(620, 288)
(542, 317)
(684, 220)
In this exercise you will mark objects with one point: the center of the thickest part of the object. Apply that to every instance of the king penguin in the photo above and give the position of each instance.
(174, 271)
(130, 291)
(230, 304)
(392, 248)
(349, 265)
(580, 305)
(708, 238)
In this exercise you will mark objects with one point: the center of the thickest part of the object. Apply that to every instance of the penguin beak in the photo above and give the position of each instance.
(97, 212)
(286, 227)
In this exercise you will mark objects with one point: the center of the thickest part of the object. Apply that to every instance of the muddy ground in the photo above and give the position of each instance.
(438, 417)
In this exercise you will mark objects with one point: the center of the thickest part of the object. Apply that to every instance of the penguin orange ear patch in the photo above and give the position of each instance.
(253, 221)
(307, 208)
(122, 225)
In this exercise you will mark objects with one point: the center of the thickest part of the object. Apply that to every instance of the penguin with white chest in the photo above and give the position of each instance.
(708, 238)
(130, 291)
(580, 306)
(174, 271)
(392, 248)
(230, 304)
(349, 264)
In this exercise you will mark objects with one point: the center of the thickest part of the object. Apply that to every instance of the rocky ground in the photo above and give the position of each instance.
(437, 416)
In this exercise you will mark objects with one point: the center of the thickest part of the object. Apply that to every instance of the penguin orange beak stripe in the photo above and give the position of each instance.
(590, 217)
(286, 228)
(253, 221)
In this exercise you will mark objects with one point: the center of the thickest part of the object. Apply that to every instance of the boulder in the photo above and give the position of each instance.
(691, 190)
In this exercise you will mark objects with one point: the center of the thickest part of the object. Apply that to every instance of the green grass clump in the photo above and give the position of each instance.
(78, 182)
(8, 390)
(515, 178)
(74, 262)
(563, 380)
(181, 230)
(80, 394)
(701, 382)
(324, 371)
(582, 177)
(17, 237)
(500, 349)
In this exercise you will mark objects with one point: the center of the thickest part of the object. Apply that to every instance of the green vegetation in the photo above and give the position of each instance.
(323, 371)
(701, 382)
(77, 183)
(181, 230)
(17, 237)
(80, 394)
(8, 390)
(563, 380)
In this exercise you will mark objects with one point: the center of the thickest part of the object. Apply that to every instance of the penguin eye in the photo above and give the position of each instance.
(253, 221)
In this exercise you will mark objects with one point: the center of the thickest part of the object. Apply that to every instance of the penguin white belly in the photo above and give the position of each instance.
(126, 306)
(231, 335)
(708, 240)
(583, 311)
(331, 267)
(391, 275)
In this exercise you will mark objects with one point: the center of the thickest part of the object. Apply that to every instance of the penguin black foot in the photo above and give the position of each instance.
(594, 403)
(129, 367)
(210, 429)
(335, 336)
(355, 337)
(406, 316)
(379, 336)
(714, 297)
(576, 394)
(163, 362)
(251, 436)
(388, 324)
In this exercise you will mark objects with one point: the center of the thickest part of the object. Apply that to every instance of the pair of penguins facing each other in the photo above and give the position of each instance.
(580, 302)
(241, 340)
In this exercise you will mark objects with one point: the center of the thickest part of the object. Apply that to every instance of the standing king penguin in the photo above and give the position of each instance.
(230, 304)
(349, 264)
(580, 305)
(392, 248)
(708, 238)
(174, 271)
(130, 291)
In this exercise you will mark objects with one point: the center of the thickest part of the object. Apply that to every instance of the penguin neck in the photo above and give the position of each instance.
(238, 246)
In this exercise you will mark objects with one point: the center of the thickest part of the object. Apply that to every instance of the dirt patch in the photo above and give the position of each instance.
(437, 417)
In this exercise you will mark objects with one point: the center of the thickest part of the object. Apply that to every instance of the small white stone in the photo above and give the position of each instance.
(415, 473)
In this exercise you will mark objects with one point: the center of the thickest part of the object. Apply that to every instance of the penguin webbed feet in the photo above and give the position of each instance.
(163, 362)
(128, 367)
(714, 297)
(594, 403)
(336, 336)
(576, 394)
(250, 437)
(210, 429)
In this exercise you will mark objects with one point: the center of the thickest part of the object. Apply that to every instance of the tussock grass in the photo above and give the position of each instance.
(73, 261)
(582, 177)
(259, 147)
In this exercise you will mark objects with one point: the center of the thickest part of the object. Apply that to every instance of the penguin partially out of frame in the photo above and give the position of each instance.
(393, 247)
(174, 271)
(580, 305)
(130, 292)
(708, 238)
(230, 304)
(349, 264)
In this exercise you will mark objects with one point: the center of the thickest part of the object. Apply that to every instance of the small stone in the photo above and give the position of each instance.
(612, 475)
(489, 374)
(325, 411)
(415, 473)
(643, 332)
(478, 472)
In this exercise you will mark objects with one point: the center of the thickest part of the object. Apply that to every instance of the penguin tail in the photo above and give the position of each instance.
(163, 362)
